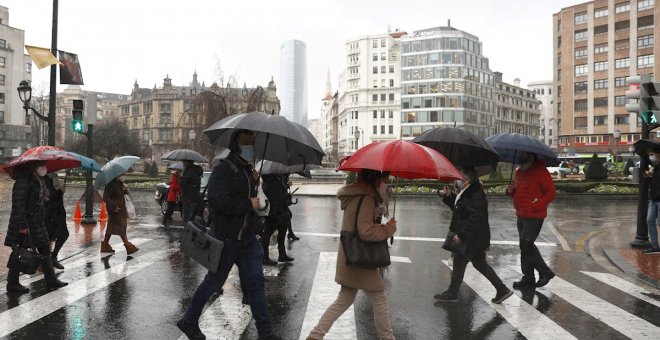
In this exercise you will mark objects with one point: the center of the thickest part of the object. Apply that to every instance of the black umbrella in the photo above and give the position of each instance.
(509, 146)
(184, 155)
(463, 148)
(277, 139)
(643, 146)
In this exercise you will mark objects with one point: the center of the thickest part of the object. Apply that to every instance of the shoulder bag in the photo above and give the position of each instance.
(452, 246)
(25, 260)
(361, 253)
(198, 244)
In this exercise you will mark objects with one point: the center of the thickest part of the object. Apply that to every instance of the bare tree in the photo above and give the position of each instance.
(110, 140)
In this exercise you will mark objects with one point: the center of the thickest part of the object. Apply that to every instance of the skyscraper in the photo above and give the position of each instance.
(293, 81)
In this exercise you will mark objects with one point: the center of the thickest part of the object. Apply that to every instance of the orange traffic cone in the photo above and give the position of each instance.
(103, 216)
(77, 216)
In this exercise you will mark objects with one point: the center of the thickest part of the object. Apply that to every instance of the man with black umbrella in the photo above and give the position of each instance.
(191, 181)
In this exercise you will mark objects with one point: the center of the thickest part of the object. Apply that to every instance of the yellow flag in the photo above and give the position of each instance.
(41, 57)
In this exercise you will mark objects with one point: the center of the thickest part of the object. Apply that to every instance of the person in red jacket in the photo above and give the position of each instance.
(172, 198)
(532, 192)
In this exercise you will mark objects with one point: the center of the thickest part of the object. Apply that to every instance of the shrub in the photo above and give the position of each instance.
(147, 168)
(153, 172)
(626, 168)
(596, 170)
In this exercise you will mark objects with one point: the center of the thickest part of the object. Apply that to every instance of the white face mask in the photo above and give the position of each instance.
(653, 158)
(121, 178)
(42, 171)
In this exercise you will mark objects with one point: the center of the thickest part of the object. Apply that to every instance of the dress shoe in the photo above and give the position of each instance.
(268, 262)
(292, 237)
(525, 281)
(284, 258)
(56, 263)
(55, 284)
(17, 288)
(191, 330)
(544, 279)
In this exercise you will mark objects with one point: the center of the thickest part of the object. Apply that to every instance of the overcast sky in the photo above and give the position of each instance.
(120, 41)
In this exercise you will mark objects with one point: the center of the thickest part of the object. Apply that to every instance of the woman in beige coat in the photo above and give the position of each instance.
(373, 186)
(113, 196)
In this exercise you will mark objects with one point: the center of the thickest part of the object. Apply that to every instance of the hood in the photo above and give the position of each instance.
(346, 193)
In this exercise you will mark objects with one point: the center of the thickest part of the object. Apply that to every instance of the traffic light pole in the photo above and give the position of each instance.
(88, 218)
(641, 239)
(53, 80)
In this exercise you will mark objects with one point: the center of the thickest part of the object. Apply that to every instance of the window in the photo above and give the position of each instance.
(580, 105)
(645, 4)
(600, 66)
(390, 129)
(391, 114)
(382, 129)
(645, 22)
(374, 57)
(382, 43)
(382, 69)
(375, 44)
(375, 70)
(618, 120)
(600, 120)
(581, 70)
(382, 56)
(580, 53)
(598, 102)
(600, 84)
(2, 79)
(622, 8)
(382, 113)
(645, 61)
(383, 97)
(622, 44)
(2, 117)
(600, 48)
(580, 123)
(391, 68)
(375, 114)
(581, 18)
(580, 87)
(391, 82)
(622, 63)
(600, 12)
(375, 129)
(2, 98)
(28, 67)
(622, 25)
(580, 35)
(3, 43)
(374, 98)
(619, 100)
(645, 41)
(2, 61)
(620, 82)
(165, 134)
(165, 108)
(390, 97)
(602, 29)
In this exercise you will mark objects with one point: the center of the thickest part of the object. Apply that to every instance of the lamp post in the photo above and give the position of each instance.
(25, 94)
(617, 135)
(358, 132)
(191, 136)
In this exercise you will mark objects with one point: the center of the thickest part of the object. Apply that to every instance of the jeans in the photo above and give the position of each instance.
(651, 222)
(188, 209)
(530, 257)
(247, 255)
(478, 259)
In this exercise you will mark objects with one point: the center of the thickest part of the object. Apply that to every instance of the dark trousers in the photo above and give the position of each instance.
(247, 255)
(188, 209)
(271, 226)
(478, 259)
(61, 237)
(46, 267)
(530, 257)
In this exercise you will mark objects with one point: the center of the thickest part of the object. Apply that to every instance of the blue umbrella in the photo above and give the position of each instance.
(509, 146)
(113, 169)
(85, 162)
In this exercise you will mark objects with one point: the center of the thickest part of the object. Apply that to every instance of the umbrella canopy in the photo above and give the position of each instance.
(184, 155)
(509, 146)
(55, 158)
(402, 159)
(85, 162)
(267, 167)
(277, 139)
(461, 147)
(643, 146)
(113, 169)
(176, 166)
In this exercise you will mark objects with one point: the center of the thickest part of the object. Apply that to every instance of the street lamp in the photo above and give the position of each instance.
(617, 135)
(358, 132)
(25, 94)
(191, 135)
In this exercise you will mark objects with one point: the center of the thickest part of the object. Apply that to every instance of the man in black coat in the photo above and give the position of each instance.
(276, 190)
(191, 181)
(233, 199)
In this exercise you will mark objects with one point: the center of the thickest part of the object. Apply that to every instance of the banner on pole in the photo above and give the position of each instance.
(70, 72)
(41, 57)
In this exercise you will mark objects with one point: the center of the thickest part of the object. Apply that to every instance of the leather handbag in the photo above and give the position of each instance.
(202, 247)
(25, 260)
(452, 246)
(361, 253)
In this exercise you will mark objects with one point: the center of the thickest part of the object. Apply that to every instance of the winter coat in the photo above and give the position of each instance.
(276, 190)
(229, 190)
(175, 188)
(191, 181)
(654, 184)
(113, 196)
(352, 276)
(470, 217)
(28, 198)
(533, 183)
(55, 214)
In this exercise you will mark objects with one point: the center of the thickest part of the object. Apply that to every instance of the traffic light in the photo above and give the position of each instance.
(650, 104)
(77, 124)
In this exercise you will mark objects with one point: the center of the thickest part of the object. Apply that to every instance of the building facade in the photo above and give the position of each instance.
(517, 109)
(293, 81)
(17, 130)
(328, 123)
(369, 92)
(549, 127)
(596, 45)
(446, 81)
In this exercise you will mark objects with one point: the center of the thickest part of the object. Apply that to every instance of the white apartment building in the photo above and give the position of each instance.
(369, 92)
(549, 123)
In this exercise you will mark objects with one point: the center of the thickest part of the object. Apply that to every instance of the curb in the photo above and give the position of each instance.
(621, 263)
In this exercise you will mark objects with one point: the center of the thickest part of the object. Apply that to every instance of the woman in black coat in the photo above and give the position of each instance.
(26, 222)
(470, 223)
(55, 217)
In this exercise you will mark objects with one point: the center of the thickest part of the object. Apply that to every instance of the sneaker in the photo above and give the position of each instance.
(446, 296)
(191, 330)
(502, 295)
(651, 251)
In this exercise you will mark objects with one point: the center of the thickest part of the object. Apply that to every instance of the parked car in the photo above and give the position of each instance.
(554, 170)
(161, 197)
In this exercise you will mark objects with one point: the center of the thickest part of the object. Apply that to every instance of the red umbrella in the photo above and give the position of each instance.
(402, 159)
(54, 160)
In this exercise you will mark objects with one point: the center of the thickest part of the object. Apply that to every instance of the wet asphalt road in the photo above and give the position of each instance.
(142, 296)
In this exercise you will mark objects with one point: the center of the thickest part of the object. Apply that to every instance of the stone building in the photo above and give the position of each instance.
(517, 109)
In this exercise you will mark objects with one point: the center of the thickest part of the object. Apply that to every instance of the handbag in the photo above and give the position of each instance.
(130, 208)
(202, 247)
(452, 246)
(361, 253)
(25, 260)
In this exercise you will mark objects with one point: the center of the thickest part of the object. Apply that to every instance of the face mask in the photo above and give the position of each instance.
(459, 184)
(247, 153)
(382, 190)
(42, 171)
(653, 158)
(121, 178)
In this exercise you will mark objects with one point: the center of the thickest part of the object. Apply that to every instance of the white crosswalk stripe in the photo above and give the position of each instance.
(624, 286)
(434, 239)
(613, 316)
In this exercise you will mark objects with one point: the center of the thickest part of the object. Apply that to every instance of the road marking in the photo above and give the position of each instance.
(579, 245)
(624, 286)
(613, 316)
(431, 239)
(401, 259)
(79, 260)
(559, 236)
(324, 292)
(35, 309)
(524, 317)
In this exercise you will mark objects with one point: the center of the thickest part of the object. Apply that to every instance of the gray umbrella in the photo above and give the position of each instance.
(184, 155)
(277, 139)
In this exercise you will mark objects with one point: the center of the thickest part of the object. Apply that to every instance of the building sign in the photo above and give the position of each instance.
(423, 34)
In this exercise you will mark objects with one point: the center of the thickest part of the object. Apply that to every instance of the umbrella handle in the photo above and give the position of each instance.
(263, 154)
(513, 165)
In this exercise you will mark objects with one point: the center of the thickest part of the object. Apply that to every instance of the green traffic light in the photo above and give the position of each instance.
(77, 126)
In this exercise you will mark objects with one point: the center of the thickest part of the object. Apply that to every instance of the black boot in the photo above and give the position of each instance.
(291, 236)
(49, 273)
(56, 263)
(283, 256)
(13, 286)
